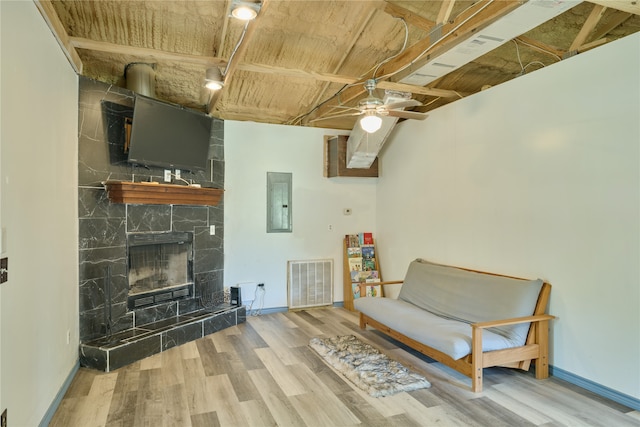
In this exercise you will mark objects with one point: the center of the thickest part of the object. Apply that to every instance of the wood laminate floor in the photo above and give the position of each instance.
(263, 373)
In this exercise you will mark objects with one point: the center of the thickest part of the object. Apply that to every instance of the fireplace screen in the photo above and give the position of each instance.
(160, 268)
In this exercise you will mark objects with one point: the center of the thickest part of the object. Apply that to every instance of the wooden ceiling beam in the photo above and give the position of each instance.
(592, 20)
(239, 52)
(53, 21)
(145, 54)
(225, 27)
(542, 47)
(613, 22)
(445, 11)
(463, 26)
(347, 80)
(356, 35)
(154, 55)
(630, 6)
(410, 17)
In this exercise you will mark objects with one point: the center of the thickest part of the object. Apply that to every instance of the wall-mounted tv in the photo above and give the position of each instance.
(168, 136)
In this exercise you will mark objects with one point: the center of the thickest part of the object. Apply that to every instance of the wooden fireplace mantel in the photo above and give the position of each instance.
(153, 193)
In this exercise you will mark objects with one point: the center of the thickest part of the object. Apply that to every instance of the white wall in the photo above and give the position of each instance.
(538, 177)
(251, 254)
(39, 303)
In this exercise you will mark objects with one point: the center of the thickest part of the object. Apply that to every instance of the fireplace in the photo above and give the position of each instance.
(159, 268)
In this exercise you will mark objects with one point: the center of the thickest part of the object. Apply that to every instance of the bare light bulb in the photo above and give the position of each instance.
(244, 13)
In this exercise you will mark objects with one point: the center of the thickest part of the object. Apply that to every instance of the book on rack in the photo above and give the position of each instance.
(368, 264)
(356, 288)
(355, 264)
(373, 290)
(368, 251)
(365, 276)
(366, 239)
(354, 252)
(353, 241)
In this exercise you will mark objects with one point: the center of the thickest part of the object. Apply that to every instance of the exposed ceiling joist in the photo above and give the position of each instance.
(474, 18)
(236, 57)
(145, 54)
(51, 17)
(613, 22)
(409, 17)
(541, 47)
(445, 11)
(303, 52)
(631, 6)
(596, 15)
(152, 55)
(356, 36)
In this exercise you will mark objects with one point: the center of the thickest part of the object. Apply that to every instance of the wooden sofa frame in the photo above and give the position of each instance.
(536, 347)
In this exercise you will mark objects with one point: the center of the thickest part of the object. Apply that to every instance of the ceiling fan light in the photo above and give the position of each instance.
(213, 79)
(245, 10)
(371, 122)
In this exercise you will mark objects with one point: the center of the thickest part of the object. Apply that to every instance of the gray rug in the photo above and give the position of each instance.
(366, 367)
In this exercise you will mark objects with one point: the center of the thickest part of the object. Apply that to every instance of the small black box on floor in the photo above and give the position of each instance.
(236, 297)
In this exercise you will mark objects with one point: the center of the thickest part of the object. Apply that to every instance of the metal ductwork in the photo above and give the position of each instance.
(141, 78)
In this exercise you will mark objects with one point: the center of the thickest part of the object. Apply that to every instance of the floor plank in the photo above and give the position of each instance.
(263, 373)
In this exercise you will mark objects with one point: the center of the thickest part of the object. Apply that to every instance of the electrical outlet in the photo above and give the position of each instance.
(330, 227)
(167, 175)
(177, 174)
(212, 230)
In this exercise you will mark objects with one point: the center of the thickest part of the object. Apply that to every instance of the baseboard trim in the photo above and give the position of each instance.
(255, 312)
(283, 309)
(48, 416)
(596, 388)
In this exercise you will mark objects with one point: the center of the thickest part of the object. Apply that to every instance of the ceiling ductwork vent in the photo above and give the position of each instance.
(523, 19)
(141, 78)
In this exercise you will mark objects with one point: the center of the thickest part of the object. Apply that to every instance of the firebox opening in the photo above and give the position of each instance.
(160, 268)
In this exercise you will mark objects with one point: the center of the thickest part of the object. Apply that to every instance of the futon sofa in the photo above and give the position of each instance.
(465, 319)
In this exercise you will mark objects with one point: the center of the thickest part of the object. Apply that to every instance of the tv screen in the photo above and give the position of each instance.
(168, 136)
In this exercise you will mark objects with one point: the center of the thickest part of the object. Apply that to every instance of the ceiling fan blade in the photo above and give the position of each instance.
(403, 104)
(407, 114)
(335, 116)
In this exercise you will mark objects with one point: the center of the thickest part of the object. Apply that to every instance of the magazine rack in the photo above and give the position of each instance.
(361, 271)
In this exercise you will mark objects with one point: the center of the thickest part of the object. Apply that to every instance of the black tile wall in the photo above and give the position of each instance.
(103, 226)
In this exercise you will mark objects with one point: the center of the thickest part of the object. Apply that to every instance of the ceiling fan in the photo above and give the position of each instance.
(372, 109)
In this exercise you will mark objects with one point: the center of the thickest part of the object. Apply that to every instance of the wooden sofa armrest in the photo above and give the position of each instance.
(539, 348)
(389, 282)
(513, 321)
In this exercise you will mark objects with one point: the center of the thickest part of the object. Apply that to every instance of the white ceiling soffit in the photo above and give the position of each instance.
(523, 19)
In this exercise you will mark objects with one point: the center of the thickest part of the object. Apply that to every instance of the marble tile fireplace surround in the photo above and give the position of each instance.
(130, 310)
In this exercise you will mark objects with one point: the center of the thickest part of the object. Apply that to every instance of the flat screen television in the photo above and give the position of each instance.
(168, 136)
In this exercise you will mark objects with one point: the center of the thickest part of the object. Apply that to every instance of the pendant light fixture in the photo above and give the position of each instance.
(370, 122)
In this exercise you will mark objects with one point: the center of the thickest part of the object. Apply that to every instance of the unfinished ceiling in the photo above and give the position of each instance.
(300, 60)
